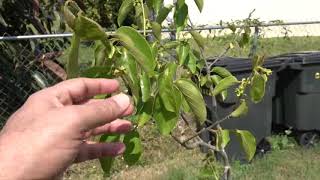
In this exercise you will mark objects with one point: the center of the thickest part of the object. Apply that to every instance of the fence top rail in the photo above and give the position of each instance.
(205, 28)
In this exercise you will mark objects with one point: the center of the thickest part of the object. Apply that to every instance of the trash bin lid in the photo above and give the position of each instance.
(304, 58)
(245, 64)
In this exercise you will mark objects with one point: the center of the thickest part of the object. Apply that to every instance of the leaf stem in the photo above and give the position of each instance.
(144, 18)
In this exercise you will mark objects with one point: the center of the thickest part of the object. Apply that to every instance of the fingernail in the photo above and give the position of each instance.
(122, 100)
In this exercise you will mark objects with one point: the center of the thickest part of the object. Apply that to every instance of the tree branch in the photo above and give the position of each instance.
(185, 145)
(219, 57)
(207, 128)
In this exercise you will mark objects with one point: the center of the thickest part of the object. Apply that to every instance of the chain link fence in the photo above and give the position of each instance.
(30, 63)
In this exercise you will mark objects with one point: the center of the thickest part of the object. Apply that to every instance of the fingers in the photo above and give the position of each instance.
(92, 101)
(96, 114)
(118, 126)
(81, 89)
(93, 150)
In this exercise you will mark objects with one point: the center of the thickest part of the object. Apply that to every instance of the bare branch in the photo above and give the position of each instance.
(185, 145)
(207, 128)
(185, 120)
(209, 146)
(219, 57)
(227, 167)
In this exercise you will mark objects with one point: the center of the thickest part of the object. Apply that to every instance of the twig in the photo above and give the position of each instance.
(227, 172)
(227, 167)
(219, 57)
(187, 146)
(207, 128)
(194, 145)
(144, 18)
(185, 120)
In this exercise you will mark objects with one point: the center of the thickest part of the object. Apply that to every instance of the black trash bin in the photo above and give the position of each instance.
(259, 118)
(298, 87)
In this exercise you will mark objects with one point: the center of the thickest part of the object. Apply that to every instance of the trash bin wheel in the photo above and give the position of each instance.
(263, 147)
(308, 139)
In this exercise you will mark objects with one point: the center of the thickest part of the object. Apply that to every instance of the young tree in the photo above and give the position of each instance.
(164, 77)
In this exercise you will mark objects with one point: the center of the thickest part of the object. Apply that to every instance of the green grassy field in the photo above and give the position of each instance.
(268, 47)
(171, 162)
(163, 159)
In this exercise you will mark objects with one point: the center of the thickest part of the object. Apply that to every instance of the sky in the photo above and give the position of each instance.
(226, 10)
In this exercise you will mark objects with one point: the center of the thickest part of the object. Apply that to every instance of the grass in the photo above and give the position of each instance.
(290, 162)
(268, 46)
(163, 159)
(215, 46)
(297, 163)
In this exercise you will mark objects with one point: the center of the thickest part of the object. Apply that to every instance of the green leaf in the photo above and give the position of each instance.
(221, 71)
(199, 4)
(180, 3)
(166, 121)
(232, 27)
(257, 61)
(130, 66)
(215, 80)
(224, 84)
(157, 5)
(163, 13)
(156, 29)
(198, 38)
(98, 72)
(241, 110)
(245, 39)
(183, 52)
(155, 49)
(185, 105)
(133, 150)
(100, 54)
(145, 114)
(201, 63)
(125, 8)
(132, 72)
(72, 64)
(145, 87)
(171, 45)
(192, 62)
(106, 162)
(194, 98)
(69, 17)
(178, 98)
(248, 143)
(258, 86)
(166, 87)
(110, 49)
(88, 29)
(149, 3)
(203, 80)
(138, 46)
(223, 138)
(181, 16)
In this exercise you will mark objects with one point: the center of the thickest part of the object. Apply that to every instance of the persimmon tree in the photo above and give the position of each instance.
(165, 77)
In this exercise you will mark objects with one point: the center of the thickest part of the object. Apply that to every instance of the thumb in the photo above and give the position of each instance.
(98, 113)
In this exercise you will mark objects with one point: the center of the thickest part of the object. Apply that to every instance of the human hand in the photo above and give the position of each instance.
(50, 131)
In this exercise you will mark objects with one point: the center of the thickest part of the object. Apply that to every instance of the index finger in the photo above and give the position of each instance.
(81, 89)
